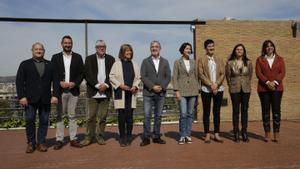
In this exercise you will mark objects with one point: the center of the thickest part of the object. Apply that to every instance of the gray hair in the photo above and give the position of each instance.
(100, 41)
(155, 41)
(37, 43)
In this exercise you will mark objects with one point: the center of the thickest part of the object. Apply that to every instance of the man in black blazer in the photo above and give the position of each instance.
(97, 69)
(156, 75)
(34, 79)
(70, 70)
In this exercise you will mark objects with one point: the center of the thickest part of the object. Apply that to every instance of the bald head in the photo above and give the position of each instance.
(38, 50)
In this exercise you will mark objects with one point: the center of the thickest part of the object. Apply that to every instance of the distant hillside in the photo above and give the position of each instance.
(7, 79)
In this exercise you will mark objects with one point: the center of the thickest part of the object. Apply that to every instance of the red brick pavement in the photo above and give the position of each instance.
(229, 155)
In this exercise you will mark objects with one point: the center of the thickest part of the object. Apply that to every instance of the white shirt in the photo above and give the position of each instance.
(101, 76)
(187, 64)
(67, 64)
(212, 67)
(270, 60)
(156, 62)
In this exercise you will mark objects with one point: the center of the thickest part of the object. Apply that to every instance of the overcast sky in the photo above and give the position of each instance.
(16, 38)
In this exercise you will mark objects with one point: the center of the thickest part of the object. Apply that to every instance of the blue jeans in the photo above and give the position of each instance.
(186, 107)
(157, 102)
(30, 117)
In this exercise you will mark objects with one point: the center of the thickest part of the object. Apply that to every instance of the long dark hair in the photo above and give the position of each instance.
(264, 46)
(244, 57)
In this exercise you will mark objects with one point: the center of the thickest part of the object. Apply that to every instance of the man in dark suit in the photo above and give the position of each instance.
(97, 69)
(156, 75)
(33, 82)
(70, 70)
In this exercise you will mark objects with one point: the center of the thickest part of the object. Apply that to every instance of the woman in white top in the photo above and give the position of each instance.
(186, 86)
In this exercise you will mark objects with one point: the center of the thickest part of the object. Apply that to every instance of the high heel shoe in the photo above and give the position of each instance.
(276, 137)
(267, 137)
(207, 138)
(236, 137)
(218, 138)
(245, 137)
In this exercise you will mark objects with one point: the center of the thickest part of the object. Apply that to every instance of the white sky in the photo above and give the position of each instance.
(16, 38)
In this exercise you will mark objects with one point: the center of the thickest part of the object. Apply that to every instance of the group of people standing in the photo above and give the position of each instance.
(41, 83)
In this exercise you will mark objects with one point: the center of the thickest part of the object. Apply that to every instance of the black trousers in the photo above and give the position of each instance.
(268, 100)
(206, 102)
(125, 118)
(240, 103)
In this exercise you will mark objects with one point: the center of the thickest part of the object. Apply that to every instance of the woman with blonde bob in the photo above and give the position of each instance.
(125, 78)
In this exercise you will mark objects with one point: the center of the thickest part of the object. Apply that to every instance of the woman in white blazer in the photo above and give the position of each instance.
(125, 78)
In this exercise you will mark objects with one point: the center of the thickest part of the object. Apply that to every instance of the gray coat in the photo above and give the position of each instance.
(183, 81)
(150, 77)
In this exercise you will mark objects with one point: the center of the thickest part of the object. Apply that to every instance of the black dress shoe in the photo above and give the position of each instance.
(245, 137)
(58, 145)
(122, 142)
(236, 137)
(158, 141)
(145, 142)
(128, 140)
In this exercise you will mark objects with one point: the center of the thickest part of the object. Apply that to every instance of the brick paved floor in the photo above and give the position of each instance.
(229, 155)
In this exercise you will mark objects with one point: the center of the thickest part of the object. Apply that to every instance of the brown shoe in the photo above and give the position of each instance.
(276, 137)
(267, 137)
(218, 138)
(85, 142)
(42, 148)
(207, 138)
(58, 145)
(101, 141)
(75, 143)
(30, 148)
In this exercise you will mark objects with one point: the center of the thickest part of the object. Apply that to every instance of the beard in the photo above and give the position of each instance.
(67, 49)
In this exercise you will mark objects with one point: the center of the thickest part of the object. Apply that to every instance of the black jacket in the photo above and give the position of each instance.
(35, 88)
(76, 70)
(91, 73)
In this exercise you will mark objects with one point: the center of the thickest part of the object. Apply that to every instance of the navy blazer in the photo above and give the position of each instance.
(29, 84)
(76, 70)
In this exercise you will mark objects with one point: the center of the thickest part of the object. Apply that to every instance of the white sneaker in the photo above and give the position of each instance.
(181, 140)
(188, 139)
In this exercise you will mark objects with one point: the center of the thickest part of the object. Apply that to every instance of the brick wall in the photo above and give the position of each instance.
(227, 34)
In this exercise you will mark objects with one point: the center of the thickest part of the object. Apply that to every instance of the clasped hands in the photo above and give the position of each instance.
(133, 89)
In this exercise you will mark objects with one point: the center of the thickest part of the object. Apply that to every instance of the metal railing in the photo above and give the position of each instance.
(16, 111)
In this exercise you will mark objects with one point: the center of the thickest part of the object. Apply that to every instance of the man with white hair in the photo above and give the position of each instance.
(97, 69)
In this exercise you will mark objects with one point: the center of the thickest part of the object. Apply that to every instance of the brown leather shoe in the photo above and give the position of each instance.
(75, 143)
(276, 137)
(267, 137)
(58, 145)
(85, 142)
(42, 148)
(30, 148)
(207, 138)
(101, 141)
